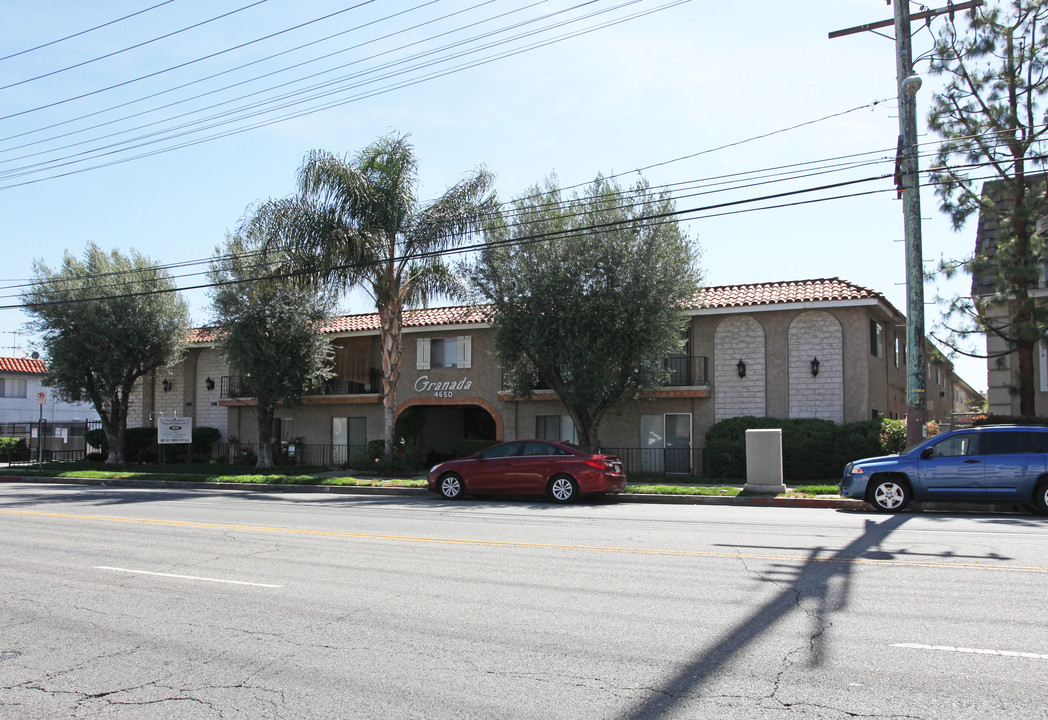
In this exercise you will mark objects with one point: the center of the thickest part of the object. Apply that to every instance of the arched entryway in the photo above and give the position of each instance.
(440, 424)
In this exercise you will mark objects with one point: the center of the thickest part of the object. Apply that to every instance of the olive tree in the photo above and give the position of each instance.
(268, 327)
(105, 322)
(586, 294)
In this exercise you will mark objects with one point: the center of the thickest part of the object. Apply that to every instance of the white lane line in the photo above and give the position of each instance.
(186, 577)
(974, 651)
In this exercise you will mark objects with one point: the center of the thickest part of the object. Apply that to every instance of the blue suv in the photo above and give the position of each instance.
(993, 463)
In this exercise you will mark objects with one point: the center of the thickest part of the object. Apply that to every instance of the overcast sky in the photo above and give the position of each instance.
(710, 82)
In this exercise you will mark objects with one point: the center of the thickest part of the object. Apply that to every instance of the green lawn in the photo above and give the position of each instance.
(645, 483)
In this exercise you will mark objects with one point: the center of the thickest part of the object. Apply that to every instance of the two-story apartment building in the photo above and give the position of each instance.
(822, 348)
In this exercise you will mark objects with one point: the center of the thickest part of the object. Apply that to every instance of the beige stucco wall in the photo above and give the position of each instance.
(777, 343)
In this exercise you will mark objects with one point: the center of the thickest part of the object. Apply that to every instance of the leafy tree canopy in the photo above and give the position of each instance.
(268, 327)
(587, 293)
(105, 321)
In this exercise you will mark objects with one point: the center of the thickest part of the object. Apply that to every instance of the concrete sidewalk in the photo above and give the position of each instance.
(749, 500)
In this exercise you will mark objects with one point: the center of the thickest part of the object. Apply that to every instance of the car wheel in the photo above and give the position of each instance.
(563, 489)
(889, 495)
(1040, 498)
(452, 487)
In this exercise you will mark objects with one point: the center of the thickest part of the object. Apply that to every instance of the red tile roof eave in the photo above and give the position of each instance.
(724, 297)
(803, 292)
(23, 366)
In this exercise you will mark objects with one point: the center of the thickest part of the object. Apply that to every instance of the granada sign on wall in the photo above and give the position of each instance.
(441, 389)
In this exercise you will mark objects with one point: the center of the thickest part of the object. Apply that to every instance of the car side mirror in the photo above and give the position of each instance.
(927, 453)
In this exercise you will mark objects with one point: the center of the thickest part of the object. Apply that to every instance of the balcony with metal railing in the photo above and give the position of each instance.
(687, 371)
(684, 371)
(239, 386)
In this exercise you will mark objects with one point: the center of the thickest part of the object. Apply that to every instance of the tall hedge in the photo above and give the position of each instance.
(812, 449)
(140, 445)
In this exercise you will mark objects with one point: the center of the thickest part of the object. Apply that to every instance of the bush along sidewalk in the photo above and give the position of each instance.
(812, 449)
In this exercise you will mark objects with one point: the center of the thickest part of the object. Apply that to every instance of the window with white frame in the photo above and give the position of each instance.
(348, 438)
(446, 352)
(665, 442)
(13, 387)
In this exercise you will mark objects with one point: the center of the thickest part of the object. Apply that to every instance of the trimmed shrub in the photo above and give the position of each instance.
(812, 449)
(861, 439)
(726, 458)
(893, 436)
(809, 449)
(204, 439)
(13, 449)
(139, 444)
(97, 438)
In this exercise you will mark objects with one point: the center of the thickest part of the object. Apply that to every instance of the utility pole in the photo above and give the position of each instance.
(909, 186)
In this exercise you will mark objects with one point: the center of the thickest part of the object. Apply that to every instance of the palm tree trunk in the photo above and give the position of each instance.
(389, 317)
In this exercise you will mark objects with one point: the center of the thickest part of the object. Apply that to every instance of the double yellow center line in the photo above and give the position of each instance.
(975, 565)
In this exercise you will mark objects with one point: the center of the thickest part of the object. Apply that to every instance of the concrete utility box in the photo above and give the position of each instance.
(764, 461)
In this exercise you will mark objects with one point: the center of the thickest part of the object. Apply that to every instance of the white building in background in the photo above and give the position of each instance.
(21, 383)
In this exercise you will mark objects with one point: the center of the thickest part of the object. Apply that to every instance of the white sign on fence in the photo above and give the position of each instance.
(174, 431)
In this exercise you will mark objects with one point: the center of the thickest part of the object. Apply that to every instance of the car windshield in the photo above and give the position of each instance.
(913, 447)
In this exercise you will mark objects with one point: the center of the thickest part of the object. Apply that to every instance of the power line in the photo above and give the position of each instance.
(197, 81)
(84, 32)
(539, 237)
(178, 67)
(753, 178)
(260, 109)
(133, 47)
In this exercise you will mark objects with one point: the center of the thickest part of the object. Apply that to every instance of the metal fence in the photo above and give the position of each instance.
(288, 453)
(661, 461)
(47, 441)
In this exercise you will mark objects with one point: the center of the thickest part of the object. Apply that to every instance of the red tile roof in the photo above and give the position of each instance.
(821, 290)
(23, 365)
(428, 317)
(724, 296)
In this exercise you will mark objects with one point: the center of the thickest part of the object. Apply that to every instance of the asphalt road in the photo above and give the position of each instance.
(127, 603)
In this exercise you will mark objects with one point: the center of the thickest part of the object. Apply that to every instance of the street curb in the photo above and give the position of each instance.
(746, 501)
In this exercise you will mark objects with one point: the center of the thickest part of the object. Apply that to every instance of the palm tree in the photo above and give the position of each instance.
(359, 222)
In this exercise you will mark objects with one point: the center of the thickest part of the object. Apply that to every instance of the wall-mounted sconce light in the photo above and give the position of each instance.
(166, 384)
(209, 384)
(815, 366)
(741, 367)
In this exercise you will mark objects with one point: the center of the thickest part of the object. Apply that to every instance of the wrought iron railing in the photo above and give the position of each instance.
(684, 371)
(687, 371)
(236, 386)
(661, 461)
(302, 453)
(340, 386)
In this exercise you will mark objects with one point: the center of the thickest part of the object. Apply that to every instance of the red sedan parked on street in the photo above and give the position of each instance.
(529, 466)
